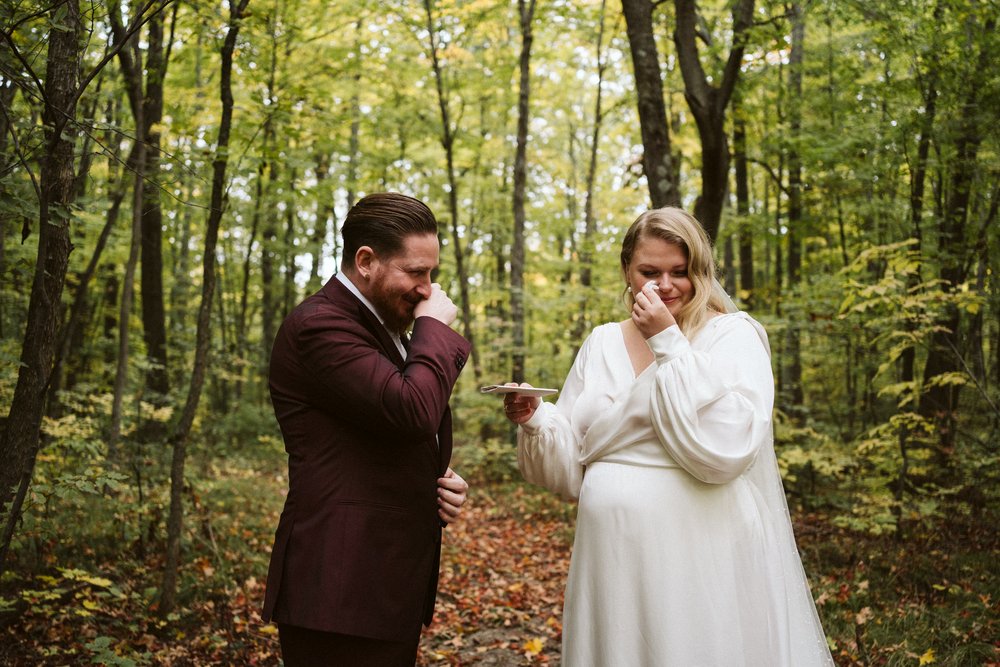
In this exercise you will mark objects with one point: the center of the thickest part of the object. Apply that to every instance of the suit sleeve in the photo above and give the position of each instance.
(358, 379)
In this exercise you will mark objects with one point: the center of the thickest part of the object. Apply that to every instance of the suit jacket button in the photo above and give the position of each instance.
(459, 362)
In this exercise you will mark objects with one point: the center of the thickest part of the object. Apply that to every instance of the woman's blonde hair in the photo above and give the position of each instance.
(678, 227)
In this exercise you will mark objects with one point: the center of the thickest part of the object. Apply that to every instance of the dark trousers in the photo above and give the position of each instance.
(301, 647)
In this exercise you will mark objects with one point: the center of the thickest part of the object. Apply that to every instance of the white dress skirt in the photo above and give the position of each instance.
(684, 553)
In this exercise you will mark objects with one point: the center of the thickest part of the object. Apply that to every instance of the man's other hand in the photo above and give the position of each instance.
(452, 491)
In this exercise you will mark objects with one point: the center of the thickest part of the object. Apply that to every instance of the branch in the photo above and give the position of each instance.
(20, 155)
(9, 38)
(770, 172)
(129, 32)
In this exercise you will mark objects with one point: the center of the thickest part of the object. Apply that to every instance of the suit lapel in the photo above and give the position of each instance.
(335, 291)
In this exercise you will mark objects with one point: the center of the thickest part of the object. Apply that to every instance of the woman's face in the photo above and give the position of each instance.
(664, 263)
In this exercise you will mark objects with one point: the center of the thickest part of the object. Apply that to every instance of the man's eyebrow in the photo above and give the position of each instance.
(420, 268)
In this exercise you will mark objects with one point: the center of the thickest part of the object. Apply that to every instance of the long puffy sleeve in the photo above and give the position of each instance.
(548, 445)
(711, 408)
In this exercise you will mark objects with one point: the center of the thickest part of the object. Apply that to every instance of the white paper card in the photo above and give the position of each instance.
(500, 389)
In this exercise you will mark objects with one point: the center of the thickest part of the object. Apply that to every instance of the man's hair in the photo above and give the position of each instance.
(382, 221)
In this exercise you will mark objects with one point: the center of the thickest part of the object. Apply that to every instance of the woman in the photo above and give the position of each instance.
(684, 553)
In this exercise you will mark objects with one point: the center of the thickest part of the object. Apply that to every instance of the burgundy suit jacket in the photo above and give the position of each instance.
(358, 544)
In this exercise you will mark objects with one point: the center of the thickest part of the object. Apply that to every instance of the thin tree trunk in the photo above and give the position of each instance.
(741, 173)
(792, 367)
(525, 14)
(448, 143)
(154, 323)
(80, 296)
(586, 248)
(130, 59)
(324, 216)
(287, 249)
(179, 437)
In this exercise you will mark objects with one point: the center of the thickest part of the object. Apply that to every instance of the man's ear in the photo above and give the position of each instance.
(364, 258)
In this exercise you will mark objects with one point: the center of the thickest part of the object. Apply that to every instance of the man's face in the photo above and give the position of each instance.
(399, 282)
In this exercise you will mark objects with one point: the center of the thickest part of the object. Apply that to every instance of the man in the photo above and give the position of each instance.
(364, 415)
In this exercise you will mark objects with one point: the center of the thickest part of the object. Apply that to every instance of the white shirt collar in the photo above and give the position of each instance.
(346, 282)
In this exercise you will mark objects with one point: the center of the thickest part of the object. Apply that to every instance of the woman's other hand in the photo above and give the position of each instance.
(517, 407)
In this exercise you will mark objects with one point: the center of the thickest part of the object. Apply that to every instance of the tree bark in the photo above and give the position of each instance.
(154, 324)
(586, 249)
(792, 368)
(708, 103)
(657, 161)
(130, 58)
(741, 173)
(20, 438)
(448, 143)
(179, 437)
(525, 14)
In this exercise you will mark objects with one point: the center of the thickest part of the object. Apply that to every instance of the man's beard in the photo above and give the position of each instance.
(384, 304)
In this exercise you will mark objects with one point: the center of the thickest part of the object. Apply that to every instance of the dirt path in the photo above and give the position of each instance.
(502, 577)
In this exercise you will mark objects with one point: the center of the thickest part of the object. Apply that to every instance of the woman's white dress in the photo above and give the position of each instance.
(684, 554)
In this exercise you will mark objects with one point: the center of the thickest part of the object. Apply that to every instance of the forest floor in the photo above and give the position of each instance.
(930, 600)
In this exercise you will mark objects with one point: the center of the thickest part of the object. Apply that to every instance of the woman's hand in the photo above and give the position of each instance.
(649, 313)
(452, 494)
(518, 407)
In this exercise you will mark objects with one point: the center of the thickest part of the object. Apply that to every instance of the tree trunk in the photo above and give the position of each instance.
(267, 204)
(586, 249)
(448, 143)
(125, 305)
(708, 103)
(324, 216)
(179, 437)
(71, 332)
(130, 59)
(657, 161)
(287, 248)
(525, 14)
(20, 437)
(792, 368)
(743, 205)
(154, 324)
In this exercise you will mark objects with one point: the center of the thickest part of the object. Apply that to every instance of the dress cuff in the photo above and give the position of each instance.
(537, 420)
(668, 344)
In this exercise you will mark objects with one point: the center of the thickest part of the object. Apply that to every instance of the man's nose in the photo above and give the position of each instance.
(424, 287)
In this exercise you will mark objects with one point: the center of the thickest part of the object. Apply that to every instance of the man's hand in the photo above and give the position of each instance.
(649, 313)
(452, 491)
(437, 305)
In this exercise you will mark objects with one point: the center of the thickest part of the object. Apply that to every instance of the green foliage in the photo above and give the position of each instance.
(107, 652)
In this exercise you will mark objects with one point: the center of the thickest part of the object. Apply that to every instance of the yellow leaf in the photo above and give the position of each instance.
(96, 581)
(91, 605)
(269, 629)
(927, 658)
(535, 645)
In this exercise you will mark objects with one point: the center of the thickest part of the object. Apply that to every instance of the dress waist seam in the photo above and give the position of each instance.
(665, 465)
